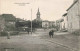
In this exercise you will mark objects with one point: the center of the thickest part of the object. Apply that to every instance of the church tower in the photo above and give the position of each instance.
(38, 15)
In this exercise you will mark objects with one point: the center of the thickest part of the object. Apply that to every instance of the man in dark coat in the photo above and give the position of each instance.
(51, 33)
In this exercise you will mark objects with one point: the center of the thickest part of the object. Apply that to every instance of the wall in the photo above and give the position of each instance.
(73, 19)
(64, 23)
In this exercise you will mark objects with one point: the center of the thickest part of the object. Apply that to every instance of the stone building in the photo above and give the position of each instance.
(73, 14)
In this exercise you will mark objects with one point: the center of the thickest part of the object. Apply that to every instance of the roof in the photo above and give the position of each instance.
(9, 17)
(64, 14)
(72, 5)
(60, 20)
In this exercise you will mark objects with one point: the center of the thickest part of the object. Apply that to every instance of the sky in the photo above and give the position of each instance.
(49, 9)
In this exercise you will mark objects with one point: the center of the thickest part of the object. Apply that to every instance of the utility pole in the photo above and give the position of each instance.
(31, 20)
(79, 14)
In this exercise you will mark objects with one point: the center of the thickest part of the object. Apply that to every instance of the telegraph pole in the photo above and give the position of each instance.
(31, 20)
(79, 14)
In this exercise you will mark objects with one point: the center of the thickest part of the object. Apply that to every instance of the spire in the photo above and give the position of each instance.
(38, 9)
(38, 13)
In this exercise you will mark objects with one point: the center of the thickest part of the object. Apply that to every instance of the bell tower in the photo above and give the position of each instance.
(38, 15)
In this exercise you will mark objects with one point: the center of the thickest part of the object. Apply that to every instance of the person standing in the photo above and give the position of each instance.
(8, 35)
(51, 33)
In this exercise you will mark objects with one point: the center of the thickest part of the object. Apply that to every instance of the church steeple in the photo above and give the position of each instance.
(38, 9)
(38, 14)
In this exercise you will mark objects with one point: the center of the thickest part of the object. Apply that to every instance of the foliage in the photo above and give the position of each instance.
(3, 33)
(14, 33)
(10, 28)
(28, 24)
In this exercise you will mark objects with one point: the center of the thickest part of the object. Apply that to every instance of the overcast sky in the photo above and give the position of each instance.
(49, 9)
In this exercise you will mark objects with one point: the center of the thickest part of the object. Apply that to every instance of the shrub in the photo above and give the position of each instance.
(14, 33)
(3, 33)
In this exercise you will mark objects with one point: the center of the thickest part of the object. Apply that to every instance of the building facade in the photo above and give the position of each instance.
(64, 22)
(45, 24)
(48, 24)
(73, 14)
(51, 24)
(57, 25)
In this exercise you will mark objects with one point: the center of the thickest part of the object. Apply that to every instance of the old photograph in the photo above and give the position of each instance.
(39, 25)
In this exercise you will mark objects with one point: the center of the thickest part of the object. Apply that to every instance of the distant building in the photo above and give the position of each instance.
(48, 24)
(73, 14)
(59, 24)
(51, 24)
(64, 22)
(45, 24)
(9, 19)
(2, 23)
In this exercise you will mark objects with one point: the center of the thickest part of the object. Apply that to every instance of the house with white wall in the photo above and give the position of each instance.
(73, 15)
(64, 22)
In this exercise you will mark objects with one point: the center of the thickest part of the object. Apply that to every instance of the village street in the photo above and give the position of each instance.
(40, 41)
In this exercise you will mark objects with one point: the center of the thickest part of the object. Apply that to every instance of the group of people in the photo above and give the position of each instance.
(51, 33)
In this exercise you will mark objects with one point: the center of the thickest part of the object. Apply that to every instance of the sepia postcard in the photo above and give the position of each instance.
(39, 25)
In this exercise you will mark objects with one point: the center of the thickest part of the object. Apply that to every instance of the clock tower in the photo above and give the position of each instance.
(38, 16)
